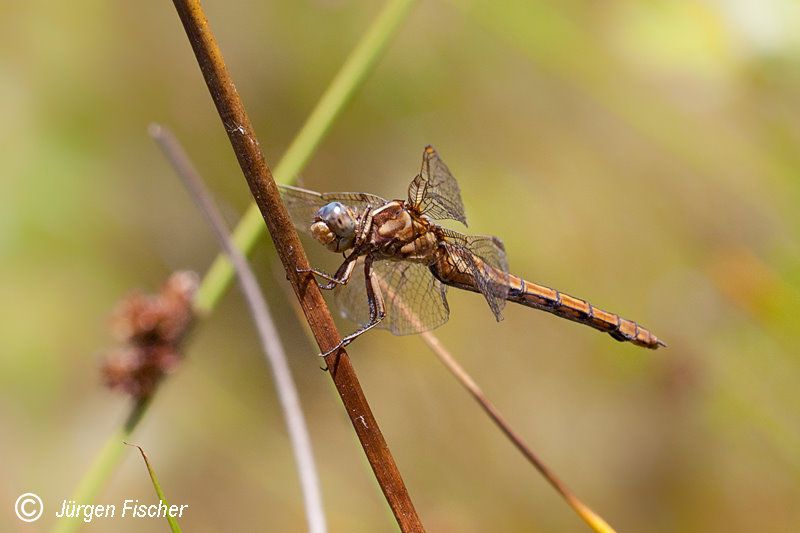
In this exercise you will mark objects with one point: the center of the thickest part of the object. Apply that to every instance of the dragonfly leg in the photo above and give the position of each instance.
(377, 308)
(341, 277)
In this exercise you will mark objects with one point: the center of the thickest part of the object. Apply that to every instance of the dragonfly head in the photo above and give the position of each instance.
(335, 226)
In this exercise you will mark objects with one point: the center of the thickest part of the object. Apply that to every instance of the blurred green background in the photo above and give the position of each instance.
(643, 155)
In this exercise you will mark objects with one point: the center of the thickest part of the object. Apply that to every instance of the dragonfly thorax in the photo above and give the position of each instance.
(335, 226)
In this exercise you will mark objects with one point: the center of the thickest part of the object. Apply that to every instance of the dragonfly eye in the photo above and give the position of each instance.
(338, 219)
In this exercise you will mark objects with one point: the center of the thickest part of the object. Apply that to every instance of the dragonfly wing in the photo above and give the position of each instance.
(435, 192)
(484, 258)
(303, 204)
(415, 300)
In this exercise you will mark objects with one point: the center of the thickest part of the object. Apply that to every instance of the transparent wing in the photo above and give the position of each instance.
(304, 204)
(415, 300)
(435, 191)
(484, 259)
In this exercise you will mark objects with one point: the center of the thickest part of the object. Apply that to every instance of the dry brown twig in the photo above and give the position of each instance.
(287, 244)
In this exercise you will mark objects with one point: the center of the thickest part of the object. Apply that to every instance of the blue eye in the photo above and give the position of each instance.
(338, 219)
(330, 211)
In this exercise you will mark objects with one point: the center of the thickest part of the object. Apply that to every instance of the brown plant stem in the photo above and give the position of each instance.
(287, 244)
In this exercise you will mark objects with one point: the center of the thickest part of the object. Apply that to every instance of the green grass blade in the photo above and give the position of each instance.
(173, 523)
(350, 77)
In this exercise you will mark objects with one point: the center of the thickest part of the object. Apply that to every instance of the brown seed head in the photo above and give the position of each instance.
(150, 328)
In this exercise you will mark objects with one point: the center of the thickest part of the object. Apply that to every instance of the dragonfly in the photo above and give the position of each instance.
(398, 262)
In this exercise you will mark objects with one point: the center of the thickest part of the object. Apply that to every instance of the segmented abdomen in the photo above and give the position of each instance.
(566, 306)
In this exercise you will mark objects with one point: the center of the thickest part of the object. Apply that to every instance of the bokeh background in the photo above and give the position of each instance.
(643, 155)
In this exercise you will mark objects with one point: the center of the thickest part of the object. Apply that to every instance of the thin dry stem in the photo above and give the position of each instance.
(262, 317)
(287, 244)
(447, 359)
(592, 519)
(587, 515)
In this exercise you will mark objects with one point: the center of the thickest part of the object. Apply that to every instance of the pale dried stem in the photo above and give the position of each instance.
(265, 325)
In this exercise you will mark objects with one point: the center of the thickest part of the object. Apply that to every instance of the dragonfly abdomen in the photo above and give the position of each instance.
(540, 297)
